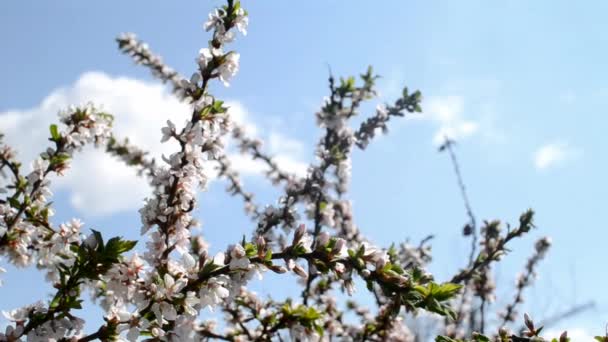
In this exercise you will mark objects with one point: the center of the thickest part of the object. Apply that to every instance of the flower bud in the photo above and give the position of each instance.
(298, 234)
(260, 242)
(297, 269)
(277, 269)
(91, 241)
(349, 285)
(528, 322)
(340, 243)
(322, 240)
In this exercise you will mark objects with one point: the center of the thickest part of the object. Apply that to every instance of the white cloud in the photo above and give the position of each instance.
(553, 154)
(99, 184)
(286, 151)
(447, 113)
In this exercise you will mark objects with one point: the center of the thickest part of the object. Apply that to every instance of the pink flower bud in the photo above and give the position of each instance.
(297, 269)
(322, 239)
(298, 234)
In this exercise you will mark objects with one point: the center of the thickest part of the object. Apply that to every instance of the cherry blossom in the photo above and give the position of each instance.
(159, 289)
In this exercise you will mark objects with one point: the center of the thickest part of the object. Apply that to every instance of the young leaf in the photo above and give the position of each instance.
(55, 136)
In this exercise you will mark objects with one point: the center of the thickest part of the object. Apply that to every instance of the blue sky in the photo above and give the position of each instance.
(520, 84)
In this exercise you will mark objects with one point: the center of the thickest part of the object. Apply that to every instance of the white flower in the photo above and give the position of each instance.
(203, 102)
(219, 259)
(378, 256)
(229, 67)
(327, 215)
(190, 303)
(184, 330)
(171, 287)
(224, 36)
(12, 333)
(189, 262)
(39, 166)
(133, 334)
(164, 311)
(135, 323)
(168, 310)
(216, 19)
(241, 21)
(157, 332)
(306, 242)
(204, 57)
(167, 131)
(193, 135)
(238, 258)
(213, 293)
(21, 314)
(298, 332)
(381, 111)
(156, 246)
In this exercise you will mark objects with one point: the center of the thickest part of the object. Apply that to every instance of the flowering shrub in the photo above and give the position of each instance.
(310, 232)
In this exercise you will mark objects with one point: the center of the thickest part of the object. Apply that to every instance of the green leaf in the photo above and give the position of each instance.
(351, 253)
(99, 239)
(113, 243)
(480, 338)
(60, 158)
(55, 302)
(422, 290)
(14, 203)
(319, 329)
(250, 249)
(209, 267)
(397, 269)
(75, 303)
(268, 255)
(218, 107)
(55, 136)
(321, 266)
(444, 291)
(116, 246)
(126, 245)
